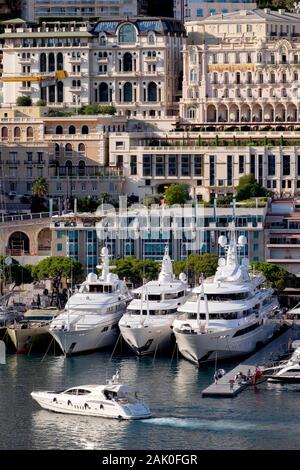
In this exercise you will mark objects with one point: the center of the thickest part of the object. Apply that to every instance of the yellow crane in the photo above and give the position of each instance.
(38, 77)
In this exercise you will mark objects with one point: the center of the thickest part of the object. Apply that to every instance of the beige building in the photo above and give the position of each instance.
(242, 67)
(208, 163)
(133, 64)
(71, 153)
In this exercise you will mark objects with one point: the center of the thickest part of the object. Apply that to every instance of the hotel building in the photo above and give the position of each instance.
(242, 67)
(135, 65)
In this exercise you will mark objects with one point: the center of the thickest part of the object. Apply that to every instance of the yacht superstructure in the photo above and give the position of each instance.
(227, 315)
(91, 318)
(147, 325)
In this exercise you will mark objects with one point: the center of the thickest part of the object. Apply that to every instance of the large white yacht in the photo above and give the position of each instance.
(229, 314)
(147, 325)
(91, 318)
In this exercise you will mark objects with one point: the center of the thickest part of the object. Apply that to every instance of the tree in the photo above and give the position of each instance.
(13, 273)
(135, 270)
(151, 199)
(177, 194)
(276, 276)
(248, 187)
(97, 109)
(40, 187)
(87, 204)
(39, 190)
(196, 264)
(58, 268)
(24, 101)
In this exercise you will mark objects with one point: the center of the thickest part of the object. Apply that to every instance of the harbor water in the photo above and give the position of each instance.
(265, 417)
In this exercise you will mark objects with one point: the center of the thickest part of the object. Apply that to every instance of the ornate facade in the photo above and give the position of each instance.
(242, 67)
(135, 65)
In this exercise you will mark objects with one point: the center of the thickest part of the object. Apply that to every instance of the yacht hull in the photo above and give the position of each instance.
(28, 339)
(89, 339)
(148, 338)
(198, 348)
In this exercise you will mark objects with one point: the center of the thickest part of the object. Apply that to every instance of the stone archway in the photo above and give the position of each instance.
(18, 244)
(44, 239)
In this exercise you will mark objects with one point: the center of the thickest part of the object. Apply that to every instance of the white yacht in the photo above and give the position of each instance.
(112, 400)
(286, 371)
(230, 314)
(147, 325)
(91, 318)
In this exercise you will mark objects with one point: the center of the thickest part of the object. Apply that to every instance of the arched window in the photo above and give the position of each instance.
(51, 62)
(29, 133)
(4, 133)
(57, 150)
(68, 148)
(59, 61)
(226, 78)
(103, 92)
(84, 130)
(43, 62)
(127, 92)
(52, 94)
(151, 37)
(215, 78)
(259, 57)
(58, 130)
(127, 34)
(127, 62)
(193, 57)
(193, 75)
(81, 147)
(81, 167)
(191, 113)
(102, 40)
(60, 92)
(17, 133)
(69, 167)
(152, 91)
(72, 130)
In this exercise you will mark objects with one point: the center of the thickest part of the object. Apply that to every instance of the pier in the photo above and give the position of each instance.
(228, 387)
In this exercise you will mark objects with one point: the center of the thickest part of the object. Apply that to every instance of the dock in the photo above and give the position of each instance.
(228, 387)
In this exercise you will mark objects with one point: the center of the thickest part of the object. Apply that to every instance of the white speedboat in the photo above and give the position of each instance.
(288, 371)
(112, 400)
(91, 318)
(147, 325)
(230, 314)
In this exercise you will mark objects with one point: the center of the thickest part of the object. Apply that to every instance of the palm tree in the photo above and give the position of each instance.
(40, 188)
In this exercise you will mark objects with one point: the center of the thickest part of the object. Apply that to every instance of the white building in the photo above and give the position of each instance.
(242, 67)
(135, 65)
(187, 10)
(32, 10)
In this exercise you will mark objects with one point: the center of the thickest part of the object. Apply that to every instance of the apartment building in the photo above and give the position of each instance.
(135, 65)
(125, 233)
(242, 67)
(189, 10)
(33, 10)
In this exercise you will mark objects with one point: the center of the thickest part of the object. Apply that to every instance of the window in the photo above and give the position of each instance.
(237, 58)
(199, 11)
(160, 165)
(152, 92)
(229, 170)
(193, 75)
(147, 165)
(286, 165)
(172, 165)
(249, 28)
(241, 164)
(133, 164)
(252, 164)
(191, 113)
(211, 170)
(127, 62)
(271, 165)
(198, 165)
(103, 92)
(185, 165)
(128, 95)
(59, 247)
(127, 34)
